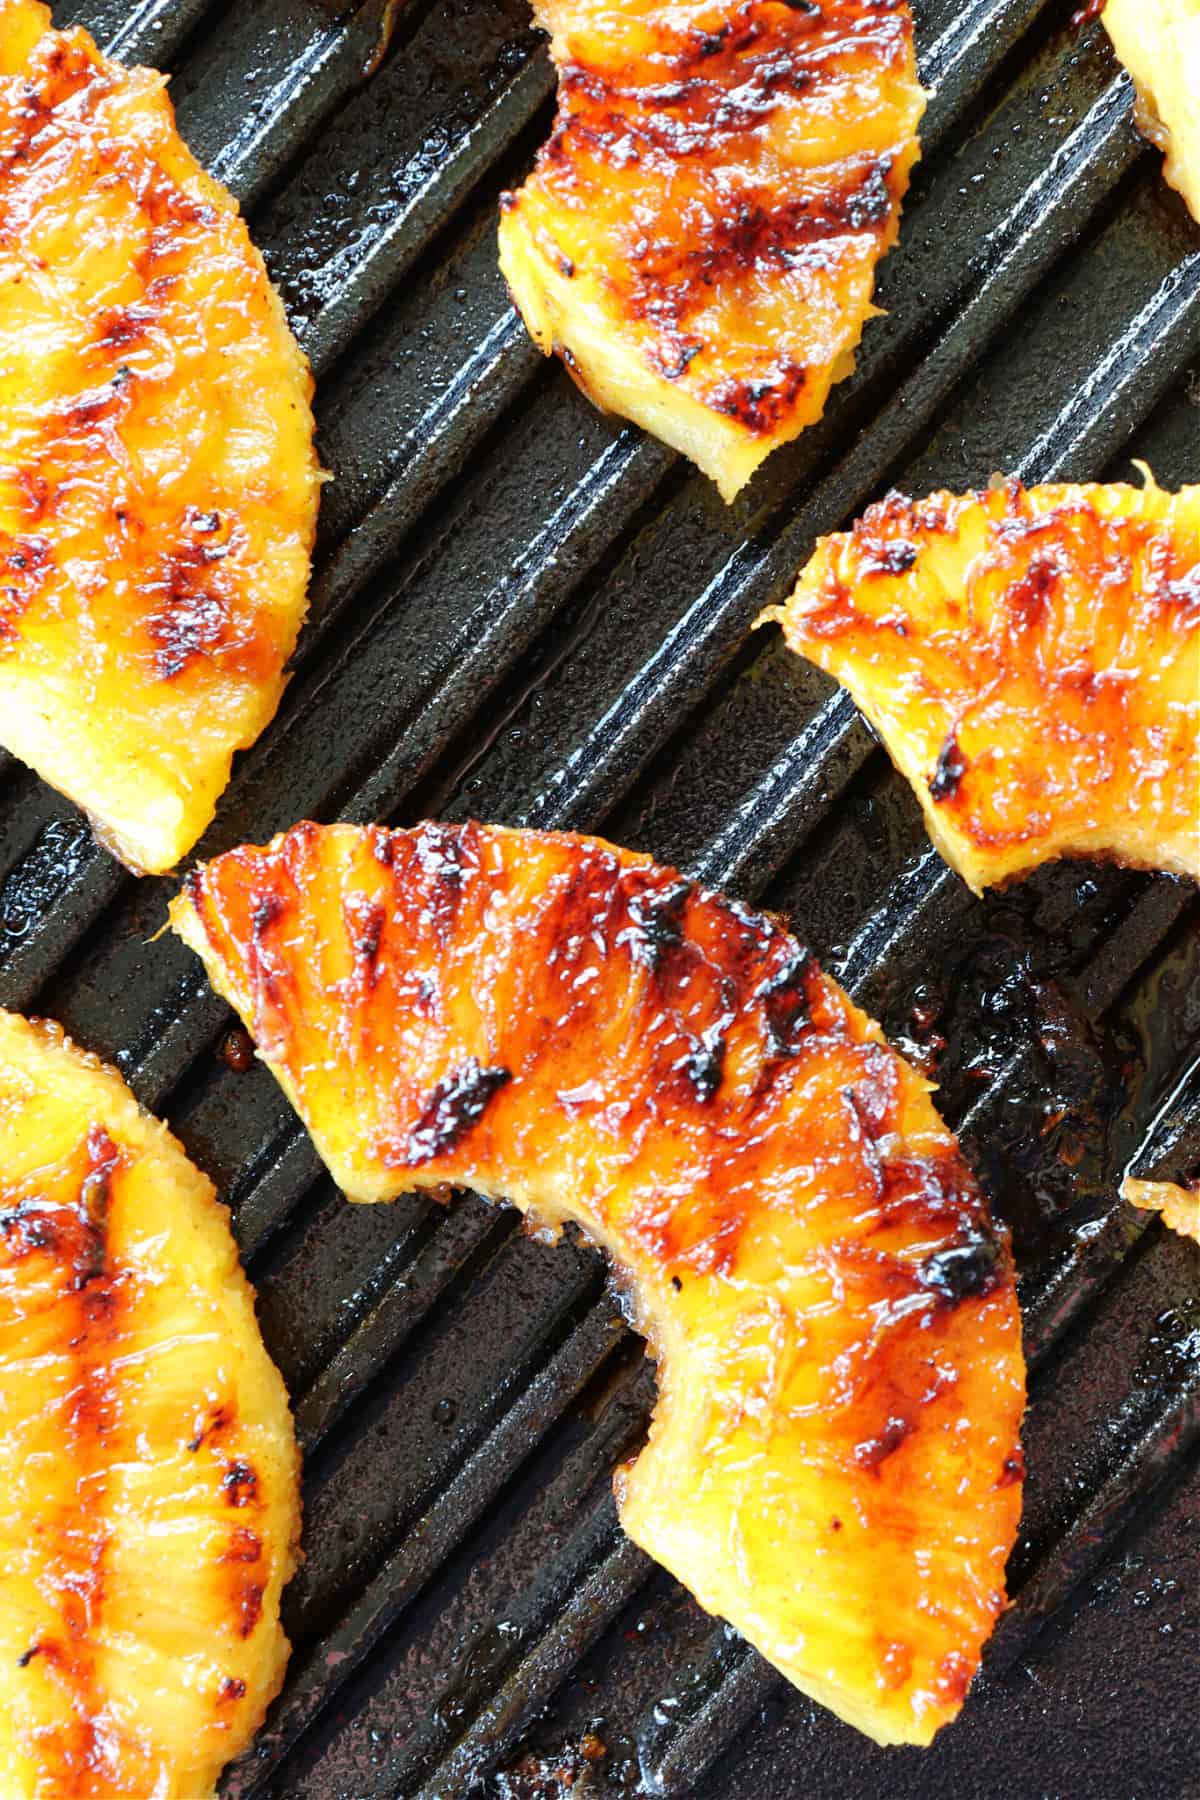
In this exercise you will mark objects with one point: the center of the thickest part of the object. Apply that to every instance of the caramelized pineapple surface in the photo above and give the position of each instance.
(833, 1463)
(699, 238)
(158, 486)
(1159, 43)
(148, 1470)
(1031, 659)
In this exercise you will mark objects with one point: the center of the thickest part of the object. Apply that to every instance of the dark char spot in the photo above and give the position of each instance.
(655, 923)
(704, 1064)
(783, 997)
(458, 1102)
(952, 765)
(240, 1484)
(873, 1451)
(963, 1272)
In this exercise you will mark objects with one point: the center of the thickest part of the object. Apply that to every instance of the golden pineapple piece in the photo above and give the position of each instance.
(1159, 43)
(1031, 659)
(148, 1471)
(158, 485)
(833, 1461)
(699, 238)
(1179, 1206)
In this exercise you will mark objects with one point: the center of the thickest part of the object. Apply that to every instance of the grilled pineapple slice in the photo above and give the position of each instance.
(148, 1471)
(158, 485)
(1159, 43)
(833, 1461)
(1179, 1206)
(1031, 659)
(699, 238)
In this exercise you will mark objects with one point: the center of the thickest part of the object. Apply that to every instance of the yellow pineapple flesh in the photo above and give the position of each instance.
(698, 241)
(833, 1463)
(1159, 43)
(1031, 659)
(149, 1510)
(1178, 1206)
(158, 484)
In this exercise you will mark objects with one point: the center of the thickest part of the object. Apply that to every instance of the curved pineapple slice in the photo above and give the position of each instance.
(1159, 43)
(833, 1460)
(699, 238)
(158, 485)
(147, 1464)
(1031, 659)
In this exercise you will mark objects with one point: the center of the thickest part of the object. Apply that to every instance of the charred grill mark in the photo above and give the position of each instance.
(24, 569)
(761, 404)
(656, 916)
(218, 1421)
(1027, 601)
(76, 1236)
(95, 1197)
(194, 620)
(783, 998)
(64, 72)
(454, 1106)
(245, 1546)
(887, 556)
(250, 1601)
(125, 326)
(703, 1066)
(947, 776)
(73, 1578)
(871, 1452)
(245, 1560)
(97, 404)
(445, 856)
(232, 1688)
(965, 1271)
(754, 231)
(239, 1483)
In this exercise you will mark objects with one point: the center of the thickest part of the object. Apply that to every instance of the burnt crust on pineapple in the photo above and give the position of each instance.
(672, 142)
(1031, 658)
(673, 1071)
(81, 1292)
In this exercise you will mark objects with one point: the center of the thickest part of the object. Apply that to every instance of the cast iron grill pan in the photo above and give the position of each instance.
(525, 612)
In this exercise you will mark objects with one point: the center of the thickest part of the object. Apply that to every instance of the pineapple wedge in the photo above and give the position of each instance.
(699, 238)
(1031, 659)
(158, 483)
(1159, 43)
(833, 1462)
(148, 1468)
